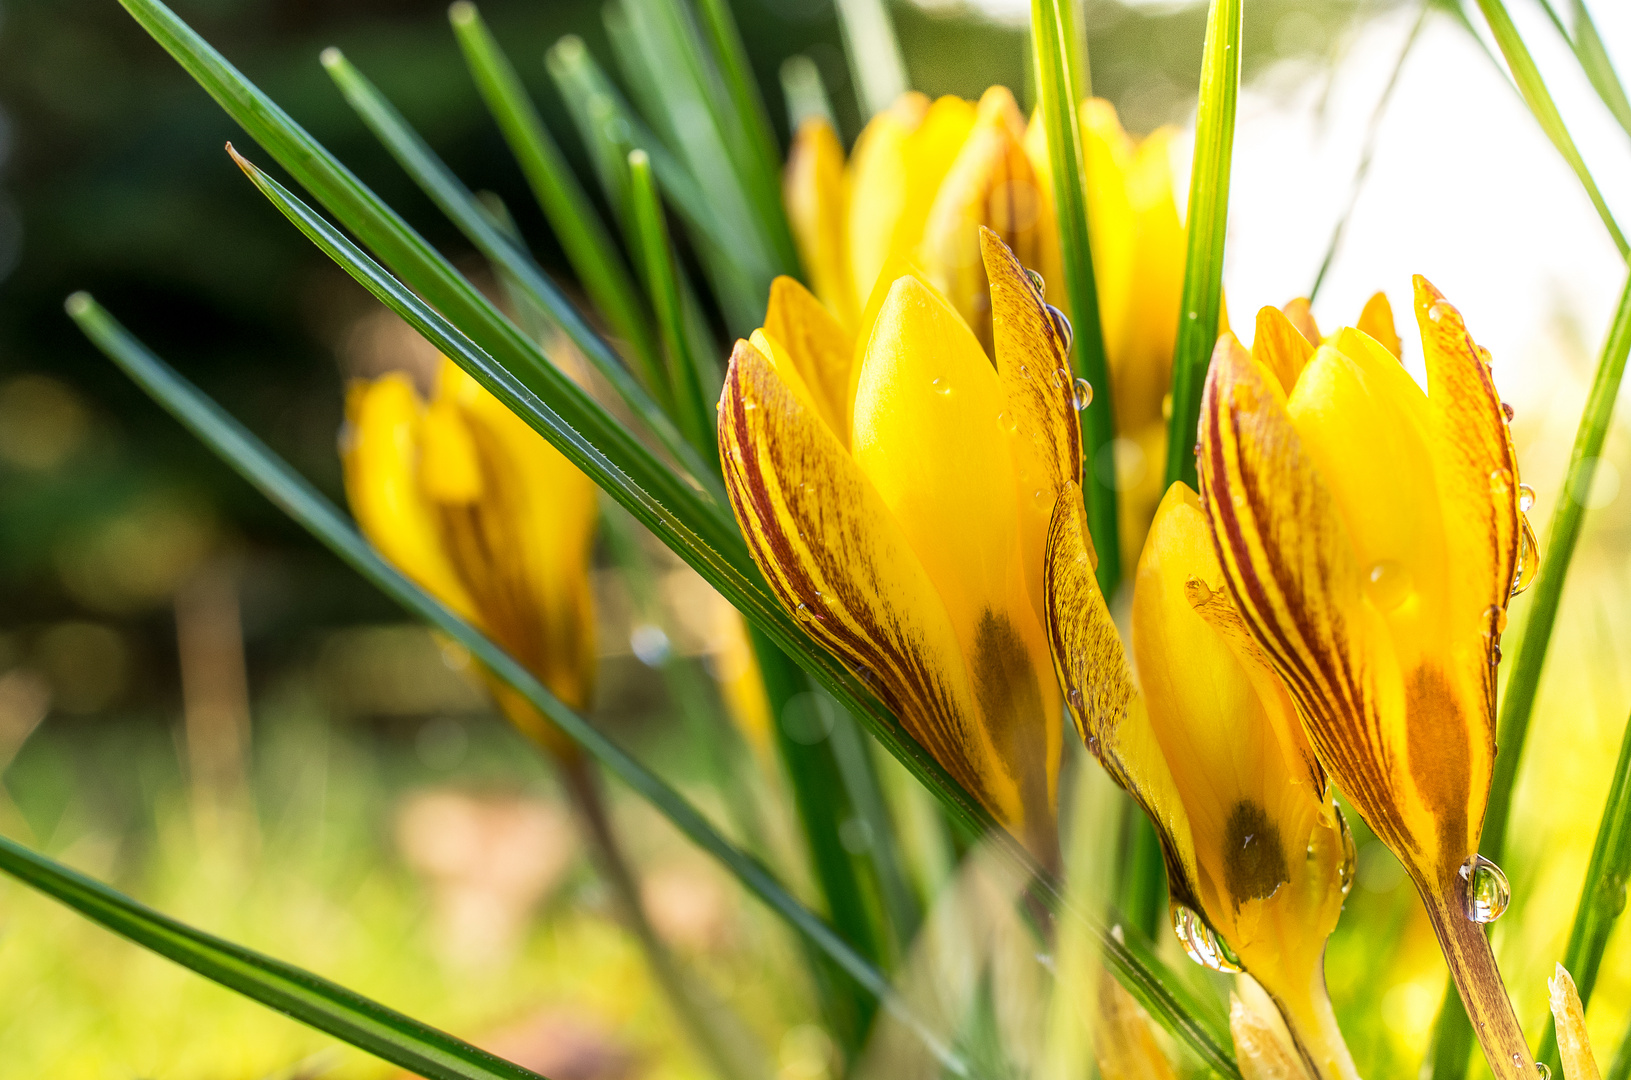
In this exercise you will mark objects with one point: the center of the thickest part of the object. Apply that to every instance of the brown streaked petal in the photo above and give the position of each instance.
(834, 556)
(818, 345)
(1281, 346)
(1292, 575)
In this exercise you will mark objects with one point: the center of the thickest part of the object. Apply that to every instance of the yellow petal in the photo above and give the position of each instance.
(1281, 346)
(1573, 1041)
(1377, 320)
(1261, 1048)
(1301, 315)
(814, 188)
(818, 346)
(927, 434)
(1141, 358)
(1124, 1041)
(990, 185)
(835, 556)
(1038, 413)
(896, 168)
(381, 453)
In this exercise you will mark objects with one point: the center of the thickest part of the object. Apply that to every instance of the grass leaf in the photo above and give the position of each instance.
(877, 69)
(1206, 224)
(1056, 49)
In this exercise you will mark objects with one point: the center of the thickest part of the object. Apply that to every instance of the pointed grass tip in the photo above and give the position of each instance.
(78, 304)
(331, 57)
(462, 13)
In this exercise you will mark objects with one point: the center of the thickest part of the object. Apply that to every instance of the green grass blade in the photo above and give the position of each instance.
(572, 217)
(1452, 1039)
(804, 92)
(1589, 50)
(1206, 223)
(1539, 99)
(1602, 895)
(877, 68)
(296, 497)
(1055, 48)
(422, 267)
(503, 249)
(1620, 1067)
(684, 366)
(309, 998)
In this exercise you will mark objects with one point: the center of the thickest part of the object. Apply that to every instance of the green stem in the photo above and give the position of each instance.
(1206, 224)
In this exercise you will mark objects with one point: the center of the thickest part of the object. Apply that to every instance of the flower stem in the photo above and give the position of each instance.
(1313, 1026)
(1467, 950)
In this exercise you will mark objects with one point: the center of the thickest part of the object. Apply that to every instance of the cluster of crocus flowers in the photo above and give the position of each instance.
(925, 176)
(896, 487)
(1370, 537)
(479, 510)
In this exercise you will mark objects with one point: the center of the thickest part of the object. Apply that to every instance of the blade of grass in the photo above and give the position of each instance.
(572, 217)
(804, 92)
(1602, 895)
(432, 276)
(504, 251)
(1544, 109)
(1589, 50)
(1452, 1041)
(1055, 50)
(1206, 223)
(876, 67)
(308, 998)
(1368, 149)
(301, 501)
(684, 367)
(1205, 1032)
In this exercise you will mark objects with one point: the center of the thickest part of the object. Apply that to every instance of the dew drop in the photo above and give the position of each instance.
(1495, 619)
(1081, 395)
(1528, 556)
(1485, 893)
(941, 386)
(749, 403)
(1500, 482)
(1061, 378)
(1508, 412)
(1544, 1069)
(1062, 325)
(1440, 311)
(1036, 281)
(1024, 372)
(1350, 854)
(1388, 584)
(1483, 354)
(1006, 421)
(1093, 745)
(1075, 698)
(1526, 498)
(1200, 941)
(1517, 1059)
(1495, 654)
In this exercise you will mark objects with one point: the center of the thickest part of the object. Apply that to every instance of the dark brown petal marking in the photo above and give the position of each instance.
(1441, 767)
(853, 618)
(1282, 580)
(1254, 859)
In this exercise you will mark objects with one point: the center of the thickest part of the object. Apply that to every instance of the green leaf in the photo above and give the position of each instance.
(504, 251)
(427, 272)
(1594, 60)
(1544, 109)
(296, 497)
(1056, 50)
(572, 217)
(684, 366)
(311, 999)
(1602, 895)
(1453, 1035)
(805, 94)
(1206, 224)
(877, 69)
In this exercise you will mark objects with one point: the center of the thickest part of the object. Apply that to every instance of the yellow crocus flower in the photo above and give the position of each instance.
(476, 507)
(923, 178)
(1371, 536)
(896, 491)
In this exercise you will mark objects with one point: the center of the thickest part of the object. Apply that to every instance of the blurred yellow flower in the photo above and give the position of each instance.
(477, 508)
(897, 497)
(1573, 1040)
(1371, 536)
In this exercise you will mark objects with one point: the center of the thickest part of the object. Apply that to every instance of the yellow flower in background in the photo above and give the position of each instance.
(1573, 1040)
(1371, 536)
(897, 496)
(477, 508)
(922, 180)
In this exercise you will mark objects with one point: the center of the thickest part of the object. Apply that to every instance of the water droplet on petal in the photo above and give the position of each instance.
(749, 403)
(1495, 654)
(1006, 421)
(1544, 1069)
(1024, 372)
(1075, 698)
(1526, 498)
(1350, 854)
(1528, 556)
(1439, 311)
(1061, 378)
(941, 386)
(1389, 584)
(1081, 394)
(1200, 941)
(1500, 482)
(1507, 411)
(1062, 325)
(1485, 892)
(1036, 281)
